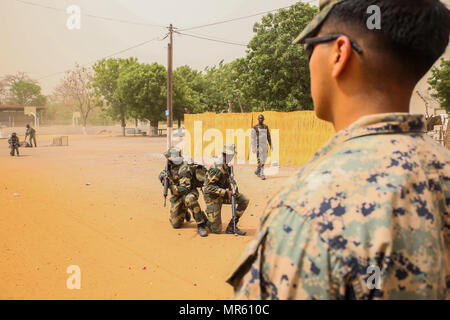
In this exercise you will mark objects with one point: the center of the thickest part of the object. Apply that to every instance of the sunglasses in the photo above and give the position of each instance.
(310, 43)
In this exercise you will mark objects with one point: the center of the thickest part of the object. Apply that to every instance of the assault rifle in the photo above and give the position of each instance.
(234, 191)
(166, 182)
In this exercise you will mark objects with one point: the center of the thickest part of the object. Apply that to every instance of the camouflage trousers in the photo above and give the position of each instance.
(214, 210)
(179, 205)
(33, 139)
(261, 156)
(14, 149)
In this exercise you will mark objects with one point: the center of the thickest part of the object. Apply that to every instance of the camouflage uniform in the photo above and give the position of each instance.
(178, 208)
(32, 134)
(14, 144)
(216, 184)
(261, 133)
(185, 178)
(188, 188)
(378, 193)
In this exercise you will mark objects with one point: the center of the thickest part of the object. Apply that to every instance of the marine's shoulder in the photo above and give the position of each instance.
(363, 178)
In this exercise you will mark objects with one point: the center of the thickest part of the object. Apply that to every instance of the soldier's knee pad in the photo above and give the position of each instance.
(191, 200)
(176, 224)
(216, 227)
(243, 200)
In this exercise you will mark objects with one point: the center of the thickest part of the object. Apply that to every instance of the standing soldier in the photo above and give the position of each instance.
(30, 132)
(14, 144)
(217, 191)
(184, 179)
(261, 134)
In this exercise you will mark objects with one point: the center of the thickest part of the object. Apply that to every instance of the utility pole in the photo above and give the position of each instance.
(170, 89)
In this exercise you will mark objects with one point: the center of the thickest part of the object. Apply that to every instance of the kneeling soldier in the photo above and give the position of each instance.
(217, 191)
(183, 184)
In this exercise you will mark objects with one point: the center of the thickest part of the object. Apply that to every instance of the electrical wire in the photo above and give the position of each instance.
(106, 57)
(240, 18)
(211, 39)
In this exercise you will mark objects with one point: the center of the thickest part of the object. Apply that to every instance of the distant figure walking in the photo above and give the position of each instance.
(260, 138)
(13, 141)
(32, 134)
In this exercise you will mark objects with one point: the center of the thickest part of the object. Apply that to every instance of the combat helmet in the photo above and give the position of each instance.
(174, 155)
(229, 151)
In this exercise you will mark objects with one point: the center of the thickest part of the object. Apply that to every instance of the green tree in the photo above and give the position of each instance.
(26, 93)
(189, 89)
(105, 81)
(143, 88)
(440, 84)
(275, 73)
(220, 88)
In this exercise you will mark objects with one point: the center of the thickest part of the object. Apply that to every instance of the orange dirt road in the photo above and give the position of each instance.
(115, 229)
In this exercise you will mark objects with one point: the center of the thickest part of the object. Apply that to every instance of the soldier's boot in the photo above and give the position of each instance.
(188, 216)
(201, 228)
(231, 230)
(261, 174)
(257, 171)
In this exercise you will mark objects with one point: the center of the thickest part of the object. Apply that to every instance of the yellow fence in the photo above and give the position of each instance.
(296, 135)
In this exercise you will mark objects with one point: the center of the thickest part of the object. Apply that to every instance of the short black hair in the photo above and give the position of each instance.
(415, 33)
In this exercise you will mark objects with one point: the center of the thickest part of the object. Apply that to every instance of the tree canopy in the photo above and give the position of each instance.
(26, 93)
(440, 83)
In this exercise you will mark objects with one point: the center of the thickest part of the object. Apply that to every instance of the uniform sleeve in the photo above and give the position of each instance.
(253, 140)
(287, 260)
(212, 181)
(161, 176)
(173, 188)
(269, 139)
(185, 181)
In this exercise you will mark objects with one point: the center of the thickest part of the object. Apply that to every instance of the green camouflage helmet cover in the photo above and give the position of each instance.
(313, 27)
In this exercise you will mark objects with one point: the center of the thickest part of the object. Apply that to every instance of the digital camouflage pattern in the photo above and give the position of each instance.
(378, 193)
(217, 181)
(325, 7)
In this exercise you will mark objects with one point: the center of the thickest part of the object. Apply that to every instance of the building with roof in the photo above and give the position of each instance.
(18, 116)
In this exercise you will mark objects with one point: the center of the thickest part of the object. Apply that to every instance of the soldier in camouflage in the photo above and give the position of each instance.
(14, 144)
(369, 216)
(184, 180)
(30, 132)
(217, 191)
(261, 134)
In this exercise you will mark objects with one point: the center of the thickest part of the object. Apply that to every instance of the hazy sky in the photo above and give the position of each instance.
(36, 40)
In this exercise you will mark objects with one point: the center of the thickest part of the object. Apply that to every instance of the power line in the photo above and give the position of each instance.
(240, 18)
(91, 15)
(211, 39)
(106, 57)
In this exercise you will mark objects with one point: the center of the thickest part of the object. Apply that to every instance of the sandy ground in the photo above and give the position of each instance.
(115, 229)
